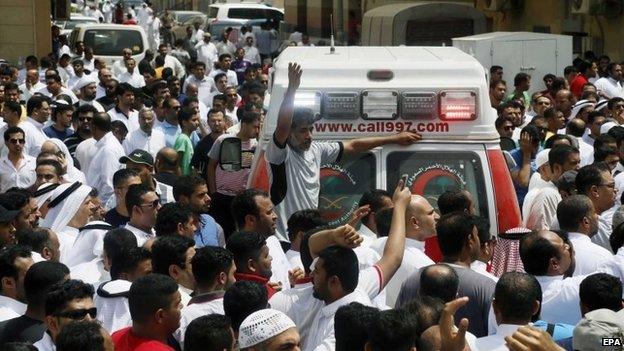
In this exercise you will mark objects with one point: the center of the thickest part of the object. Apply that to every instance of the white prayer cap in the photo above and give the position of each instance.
(604, 129)
(601, 104)
(578, 106)
(261, 326)
(541, 158)
(84, 81)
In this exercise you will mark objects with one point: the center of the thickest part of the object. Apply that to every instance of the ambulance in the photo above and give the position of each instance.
(439, 92)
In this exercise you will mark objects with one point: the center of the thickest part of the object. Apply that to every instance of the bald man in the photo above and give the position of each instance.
(420, 225)
(167, 166)
(564, 100)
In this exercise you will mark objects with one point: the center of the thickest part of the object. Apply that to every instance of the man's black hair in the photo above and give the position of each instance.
(383, 219)
(590, 175)
(352, 323)
(63, 293)
(244, 203)
(117, 240)
(209, 262)
(169, 216)
(454, 230)
(8, 255)
(375, 199)
(453, 200)
(440, 281)
(40, 278)
(515, 296)
(209, 333)
(36, 238)
(103, 122)
(571, 211)
(343, 263)
(393, 330)
(35, 102)
(14, 106)
(245, 246)
(12, 130)
(559, 154)
(604, 151)
(15, 199)
(536, 252)
(601, 290)
(123, 175)
(242, 299)
(128, 261)
(603, 139)
(80, 336)
(427, 311)
(170, 250)
(185, 186)
(303, 221)
(495, 68)
(148, 294)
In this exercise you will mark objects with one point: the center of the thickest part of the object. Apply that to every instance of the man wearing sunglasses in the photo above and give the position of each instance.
(143, 205)
(16, 168)
(66, 302)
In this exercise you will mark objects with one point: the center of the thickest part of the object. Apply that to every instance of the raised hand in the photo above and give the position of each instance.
(294, 75)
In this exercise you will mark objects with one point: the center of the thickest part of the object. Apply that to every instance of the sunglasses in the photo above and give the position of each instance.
(152, 204)
(85, 119)
(15, 141)
(78, 314)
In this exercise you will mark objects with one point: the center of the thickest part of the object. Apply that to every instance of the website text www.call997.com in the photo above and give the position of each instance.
(381, 127)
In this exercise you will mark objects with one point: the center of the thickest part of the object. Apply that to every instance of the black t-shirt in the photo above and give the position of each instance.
(115, 219)
(200, 157)
(21, 329)
(166, 178)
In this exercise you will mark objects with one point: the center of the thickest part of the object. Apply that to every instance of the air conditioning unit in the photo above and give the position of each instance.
(581, 7)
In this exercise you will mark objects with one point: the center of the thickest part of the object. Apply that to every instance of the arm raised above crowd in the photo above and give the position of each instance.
(287, 109)
(395, 245)
(345, 236)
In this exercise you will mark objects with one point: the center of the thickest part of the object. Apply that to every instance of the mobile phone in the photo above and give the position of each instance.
(404, 179)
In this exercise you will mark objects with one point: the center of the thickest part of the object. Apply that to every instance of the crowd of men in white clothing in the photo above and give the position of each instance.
(119, 229)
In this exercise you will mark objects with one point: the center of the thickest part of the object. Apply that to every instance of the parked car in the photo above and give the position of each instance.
(244, 11)
(75, 19)
(216, 28)
(109, 40)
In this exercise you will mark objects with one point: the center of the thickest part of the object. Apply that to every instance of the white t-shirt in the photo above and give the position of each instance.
(295, 177)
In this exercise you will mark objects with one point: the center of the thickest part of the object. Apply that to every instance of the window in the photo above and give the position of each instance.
(432, 173)
(111, 42)
(342, 186)
(246, 13)
(71, 24)
(213, 12)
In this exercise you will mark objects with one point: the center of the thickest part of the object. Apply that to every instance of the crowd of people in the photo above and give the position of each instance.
(120, 228)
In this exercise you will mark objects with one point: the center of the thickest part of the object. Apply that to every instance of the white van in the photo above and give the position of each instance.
(218, 12)
(109, 40)
(440, 92)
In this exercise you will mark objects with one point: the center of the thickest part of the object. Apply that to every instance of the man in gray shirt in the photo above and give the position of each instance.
(295, 159)
(459, 243)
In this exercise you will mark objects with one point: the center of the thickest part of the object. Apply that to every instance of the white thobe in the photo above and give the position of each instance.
(24, 176)
(138, 139)
(615, 265)
(35, 137)
(131, 120)
(141, 236)
(10, 308)
(543, 209)
(588, 256)
(207, 53)
(104, 164)
(280, 264)
(560, 299)
(84, 153)
(610, 87)
(414, 258)
(28, 93)
(45, 344)
(134, 79)
(252, 54)
(605, 227)
(195, 310)
(496, 342)
(175, 65)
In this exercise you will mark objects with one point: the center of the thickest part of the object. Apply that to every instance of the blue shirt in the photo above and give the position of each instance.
(51, 132)
(520, 190)
(172, 131)
(208, 232)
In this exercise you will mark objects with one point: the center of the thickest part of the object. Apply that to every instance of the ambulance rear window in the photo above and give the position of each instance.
(342, 186)
(432, 173)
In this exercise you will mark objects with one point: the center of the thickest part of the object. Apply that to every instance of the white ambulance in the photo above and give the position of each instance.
(440, 92)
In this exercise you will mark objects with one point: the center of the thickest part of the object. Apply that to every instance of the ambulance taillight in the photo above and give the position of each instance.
(458, 105)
